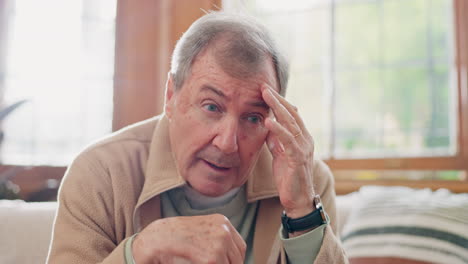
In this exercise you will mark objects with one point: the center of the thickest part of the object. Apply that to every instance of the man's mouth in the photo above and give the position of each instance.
(216, 167)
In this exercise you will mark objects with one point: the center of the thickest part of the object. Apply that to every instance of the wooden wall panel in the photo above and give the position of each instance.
(186, 12)
(146, 32)
(139, 45)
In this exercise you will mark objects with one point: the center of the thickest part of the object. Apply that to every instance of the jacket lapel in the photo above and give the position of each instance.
(267, 246)
(150, 211)
(260, 184)
(160, 175)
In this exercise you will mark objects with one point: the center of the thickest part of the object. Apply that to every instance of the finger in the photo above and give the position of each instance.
(281, 113)
(189, 254)
(179, 260)
(284, 136)
(234, 257)
(239, 244)
(290, 107)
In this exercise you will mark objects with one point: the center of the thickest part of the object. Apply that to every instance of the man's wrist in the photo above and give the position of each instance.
(298, 213)
(302, 204)
(307, 207)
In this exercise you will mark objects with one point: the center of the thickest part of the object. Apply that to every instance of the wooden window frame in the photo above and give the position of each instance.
(142, 59)
(457, 162)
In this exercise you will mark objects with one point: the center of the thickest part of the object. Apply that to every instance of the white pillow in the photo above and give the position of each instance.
(407, 223)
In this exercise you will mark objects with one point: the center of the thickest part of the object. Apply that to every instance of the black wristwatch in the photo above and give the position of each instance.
(316, 218)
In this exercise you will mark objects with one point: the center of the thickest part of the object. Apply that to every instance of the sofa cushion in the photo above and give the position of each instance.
(25, 230)
(344, 206)
(408, 224)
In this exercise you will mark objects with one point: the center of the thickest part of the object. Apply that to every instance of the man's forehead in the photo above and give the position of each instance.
(251, 97)
(208, 62)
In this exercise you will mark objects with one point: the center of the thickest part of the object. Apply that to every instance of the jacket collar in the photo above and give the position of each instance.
(161, 172)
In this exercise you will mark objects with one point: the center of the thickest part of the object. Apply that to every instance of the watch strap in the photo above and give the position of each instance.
(309, 221)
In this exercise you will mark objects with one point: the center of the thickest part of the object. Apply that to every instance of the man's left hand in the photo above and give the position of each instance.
(292, 148)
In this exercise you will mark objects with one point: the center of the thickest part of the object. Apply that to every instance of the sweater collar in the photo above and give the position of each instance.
(161, 172)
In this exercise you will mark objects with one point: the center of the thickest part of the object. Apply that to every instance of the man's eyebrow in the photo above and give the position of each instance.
(220, 93)
(207, 87)
(261, 104)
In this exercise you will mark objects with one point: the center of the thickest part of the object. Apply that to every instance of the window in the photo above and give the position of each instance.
(60, 58)
(372, 78)
(375, 81)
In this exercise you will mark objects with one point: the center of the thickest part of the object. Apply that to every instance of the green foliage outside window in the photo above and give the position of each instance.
(387, 67)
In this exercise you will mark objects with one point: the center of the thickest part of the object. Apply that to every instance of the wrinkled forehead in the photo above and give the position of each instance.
(209, 72)
(241, 61)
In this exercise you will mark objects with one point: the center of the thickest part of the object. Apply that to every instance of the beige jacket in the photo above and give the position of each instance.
(111, 191)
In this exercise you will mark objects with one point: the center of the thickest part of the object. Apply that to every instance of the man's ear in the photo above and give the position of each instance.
(168, 99)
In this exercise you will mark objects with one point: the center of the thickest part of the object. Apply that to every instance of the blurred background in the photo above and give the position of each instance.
(381, 84)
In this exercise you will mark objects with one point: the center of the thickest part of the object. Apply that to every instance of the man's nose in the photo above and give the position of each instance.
(226, 136)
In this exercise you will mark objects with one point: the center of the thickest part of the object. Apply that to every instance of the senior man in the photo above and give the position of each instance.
(225, 175)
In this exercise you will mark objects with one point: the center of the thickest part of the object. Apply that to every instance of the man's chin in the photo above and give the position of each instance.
(213, 183)
(211, 188)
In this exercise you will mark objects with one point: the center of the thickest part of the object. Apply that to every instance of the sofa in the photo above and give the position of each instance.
(25, 230)
(364, 224)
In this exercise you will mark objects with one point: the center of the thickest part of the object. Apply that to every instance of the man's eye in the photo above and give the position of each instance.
(254, 119)
(211, 107)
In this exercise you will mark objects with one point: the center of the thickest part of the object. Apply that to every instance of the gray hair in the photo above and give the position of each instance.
(248, 46)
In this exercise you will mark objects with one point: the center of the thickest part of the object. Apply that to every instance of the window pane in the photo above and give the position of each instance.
(359, 114)
(357, 35)
(60, 59)
(405, 29)
(319, 122)
(382, 72)
(405, 86)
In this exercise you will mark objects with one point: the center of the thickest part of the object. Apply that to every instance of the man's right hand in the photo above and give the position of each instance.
(196, 239)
